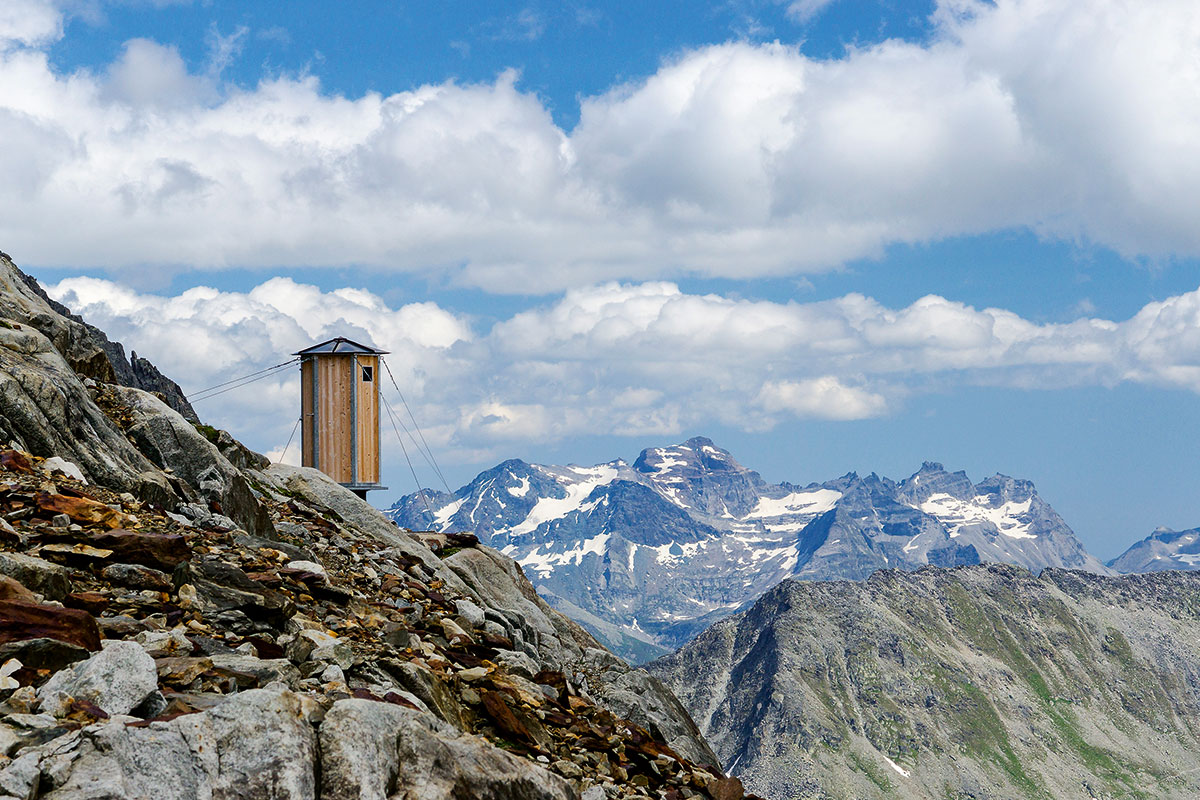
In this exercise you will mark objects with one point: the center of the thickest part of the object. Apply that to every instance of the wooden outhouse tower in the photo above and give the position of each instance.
(339, 404)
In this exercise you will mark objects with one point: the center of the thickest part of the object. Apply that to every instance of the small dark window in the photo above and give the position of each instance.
(368, 374)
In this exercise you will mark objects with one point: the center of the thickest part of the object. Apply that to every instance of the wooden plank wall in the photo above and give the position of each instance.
(368, 421)
(308, 422)
(335, 376)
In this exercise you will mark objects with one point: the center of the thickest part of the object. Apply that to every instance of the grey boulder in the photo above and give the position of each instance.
(117, 679)
(37, 575)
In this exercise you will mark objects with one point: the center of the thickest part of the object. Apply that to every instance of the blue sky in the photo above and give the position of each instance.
(831, 235)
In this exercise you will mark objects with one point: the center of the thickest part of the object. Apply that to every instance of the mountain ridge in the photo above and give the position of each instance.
(984, 682)
(685, 534)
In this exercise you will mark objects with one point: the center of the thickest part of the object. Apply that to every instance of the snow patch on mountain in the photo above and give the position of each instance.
(545, 563)
(808, 502)
(442, 516)
(578, 491)
(1008, 518)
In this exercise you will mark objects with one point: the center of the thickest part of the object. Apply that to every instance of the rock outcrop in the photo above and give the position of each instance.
(982, 682)
(180, 619)
(86, 347)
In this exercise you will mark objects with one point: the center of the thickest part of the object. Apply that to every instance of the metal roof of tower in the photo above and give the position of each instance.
(340, 346)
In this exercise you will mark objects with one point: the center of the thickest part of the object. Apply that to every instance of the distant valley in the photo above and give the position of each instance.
(648, 554)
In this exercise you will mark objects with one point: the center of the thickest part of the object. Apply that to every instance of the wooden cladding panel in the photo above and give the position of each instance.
(368, 419)
(308, 427)
(341, 414)
(335, 417)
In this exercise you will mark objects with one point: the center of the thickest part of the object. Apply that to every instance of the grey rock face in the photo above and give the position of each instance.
(983, 681)
(373, 751)
(87, 348)
(117, 679)
(257, 745)
(112, 761)
(360, 758)
(647, 556)
(45, 409)
(1162, 550)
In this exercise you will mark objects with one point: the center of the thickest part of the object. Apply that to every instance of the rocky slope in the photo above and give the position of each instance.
(977, 682)
(181, 619)
(647, 555)
(1162, 550)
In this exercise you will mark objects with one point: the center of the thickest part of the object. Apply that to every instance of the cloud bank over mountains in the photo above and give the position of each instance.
(632, 359)
(1076, 119)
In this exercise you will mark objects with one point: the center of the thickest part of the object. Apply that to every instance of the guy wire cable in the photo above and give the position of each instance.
(244, 380)
(420, 489)
(412, 417)
(289, 442)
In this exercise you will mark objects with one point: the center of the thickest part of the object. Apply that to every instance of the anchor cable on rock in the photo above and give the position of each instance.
(289, 441)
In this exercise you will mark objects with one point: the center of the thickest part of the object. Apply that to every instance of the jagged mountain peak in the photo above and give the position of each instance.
(870, 487)
(699, 451)
(699, 476)
(1006, 489)
(1164, 549)
(933, 479)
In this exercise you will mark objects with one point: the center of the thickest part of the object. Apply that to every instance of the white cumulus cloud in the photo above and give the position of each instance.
(1076, 119)
(29, 22)
(626, 359)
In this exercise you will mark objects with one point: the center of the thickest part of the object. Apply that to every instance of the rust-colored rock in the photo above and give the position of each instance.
(36, 654)
(503, 716)
(94, 603)
(79, 509)
(85, 712)
(11, 590)
(726, 789)
(80, 555)
(21, 621)
(163, 551)
(182, 670)
(16, 461)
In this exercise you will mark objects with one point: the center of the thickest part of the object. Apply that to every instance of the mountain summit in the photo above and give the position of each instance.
(647, 555)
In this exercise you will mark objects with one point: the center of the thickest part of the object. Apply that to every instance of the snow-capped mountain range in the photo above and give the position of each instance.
(647, 555)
